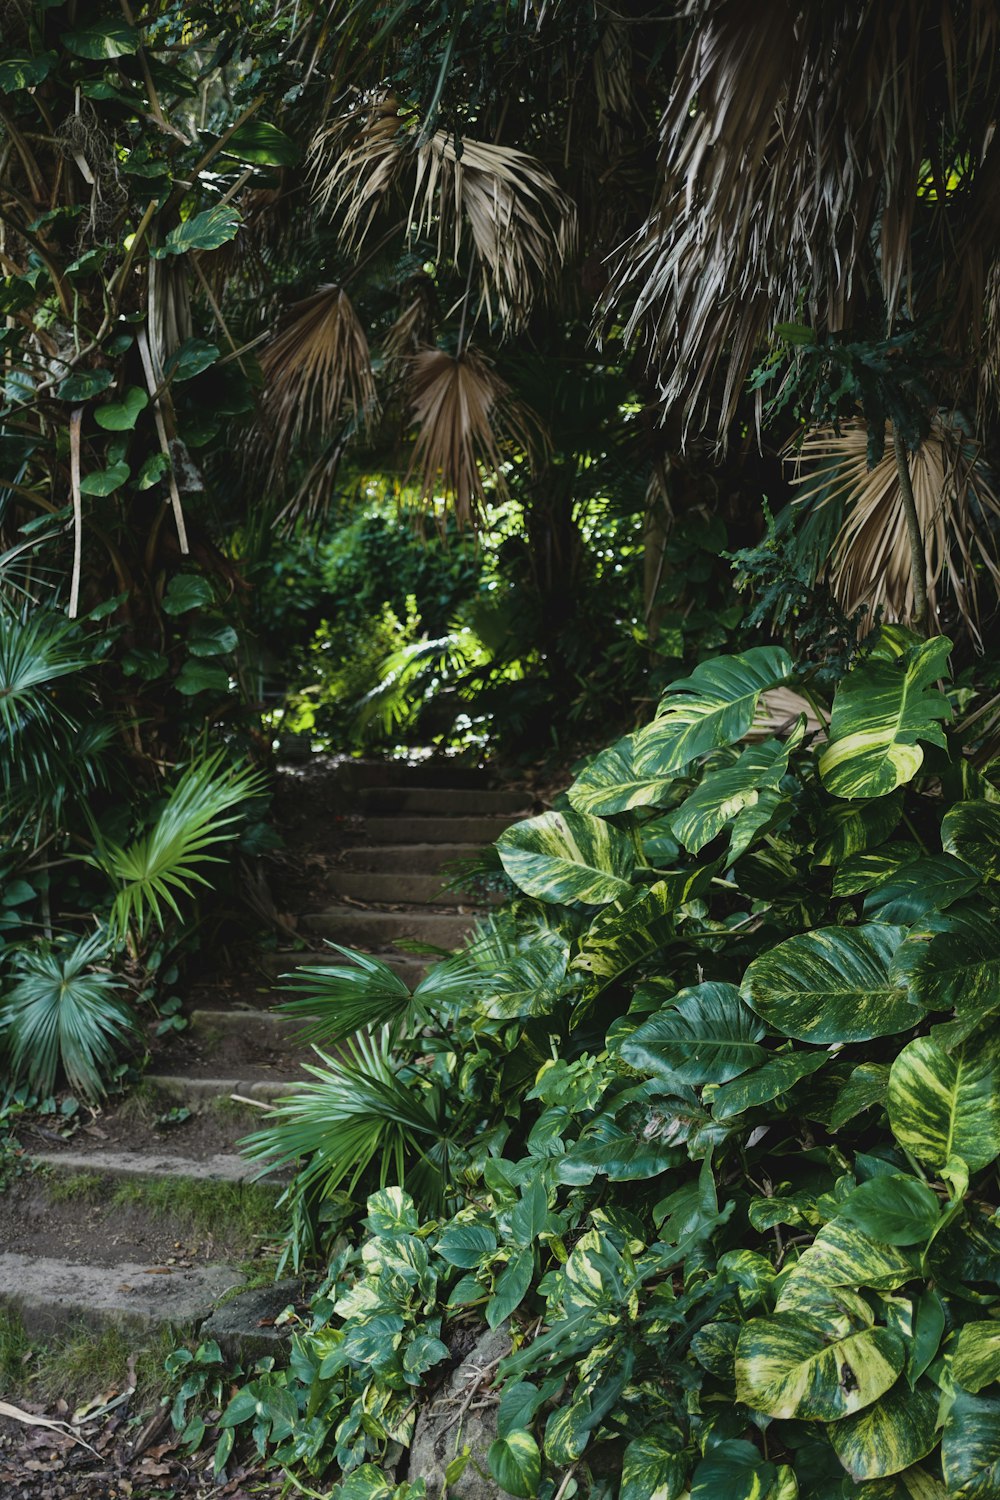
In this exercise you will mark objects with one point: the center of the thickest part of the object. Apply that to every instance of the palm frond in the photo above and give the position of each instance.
(467, 423)
(317, 371)
(358, 1115)
(165, 863)
(342, 999)
(956, 506)
(403, 676)
(795, 140)
(522, 225)
(62, 1008)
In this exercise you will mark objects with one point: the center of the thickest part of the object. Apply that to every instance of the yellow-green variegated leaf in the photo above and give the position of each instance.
(772, 1081)
(971, 831)
(850, 829)
(887, 1437)
(785, 1367)
(516, 1464)
(568, 856)
(843, 1257)
(745, 794)
(923, 885)
(947, 1104)
(970, 1448)
(633, 927)
(705, 1034)
(880, 711)
(832, 985)
(654, 1466)
(737, 1470)
(714, 706)
(619, 779)
(975, 1361)
(951, 961)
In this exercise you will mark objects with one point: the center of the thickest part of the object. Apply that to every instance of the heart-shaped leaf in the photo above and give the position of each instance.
(947, 1104)
(121, 416)
(832, 985)
(568, 856)
(786, 1367)
(971, 831)
(705, 1035)
(897, 1430)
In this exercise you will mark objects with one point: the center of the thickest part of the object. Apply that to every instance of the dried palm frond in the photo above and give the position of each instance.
(169, 308)
(412, 328)
(522, 225)
(467, 428)
(797, 139)
(778, 710)
(613, 78)
(956, 507)
(317, 372)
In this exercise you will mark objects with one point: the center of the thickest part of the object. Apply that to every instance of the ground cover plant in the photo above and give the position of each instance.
(708, 1117)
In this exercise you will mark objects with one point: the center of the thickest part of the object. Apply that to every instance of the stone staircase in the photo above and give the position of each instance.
(148, 1215)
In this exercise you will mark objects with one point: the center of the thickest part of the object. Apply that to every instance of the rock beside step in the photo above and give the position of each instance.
(221, 1167)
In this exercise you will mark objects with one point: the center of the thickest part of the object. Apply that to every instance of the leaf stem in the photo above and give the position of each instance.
(918, 557)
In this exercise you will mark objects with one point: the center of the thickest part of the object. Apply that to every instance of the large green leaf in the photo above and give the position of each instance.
(970, 1448)
(738, 792)
(866, 1087)
(842, 1256)
(894, 1208)
(848, 830)
(774, 1079)
(654, 1466)
(943, 1105)
(121, 416)
(19, 73)
(975, 1361)
(880, 710)
(102, 39)
(618, 779)
(205, 231)
(951, 961)
(516, 1464)
(528, 984)
(971, 831)
(705, 1035)
(785, 1367)
(921, 886)
(832, 985)
(897, 1430)
(568, 856)
(735, 1469)
(262, 144)
(714, 706)
(633, 927)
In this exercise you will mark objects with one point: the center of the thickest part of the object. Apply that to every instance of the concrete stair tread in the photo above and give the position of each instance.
(197, 1092)
(443, 801)
(417, 859)
(410, 828)
(219, 1167)
(380, 929)
(49, 1291)
(403, 889)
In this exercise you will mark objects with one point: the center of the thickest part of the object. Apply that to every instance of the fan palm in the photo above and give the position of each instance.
(153, 871)
(62, 1009)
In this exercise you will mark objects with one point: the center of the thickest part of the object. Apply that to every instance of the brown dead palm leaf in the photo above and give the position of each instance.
(412, 329)
(468, 428)
(523, 227)
(317, 373)
(955, 505)
(797, 138)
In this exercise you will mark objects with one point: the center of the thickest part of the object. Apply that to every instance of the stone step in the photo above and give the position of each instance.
(379, 929)
(406, 859)
(427, 830)
(49, 1293)
(356, 775)
(443, 801)
(409, 967)
(199, 1094)
(220, 1167)
(406, 890)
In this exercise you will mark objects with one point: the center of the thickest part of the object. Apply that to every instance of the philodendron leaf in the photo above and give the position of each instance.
(832, 985)
(705, 1035)
(633, 927)
(897, 1430)
(105, 481)
(121, 416)
(516, 1464)
(880, 711)
(102, 39)
(654, 1466)
(921, 886)
(714, 706)
(736, 1470)
(970, 1448)
(774, 1079)
(20, 73)
(738, 792)
(947, 1104)
(568, 856)
(971, 831)
(850, 829)
(975, 1360)
(896, 1209)
(205, 231)
(867, 1086)
(618, 779)
(841, 1256)
(785, 1367)
(951, 961)
(529, 984)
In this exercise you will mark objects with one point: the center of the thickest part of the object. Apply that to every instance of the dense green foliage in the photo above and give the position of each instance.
(714, 1107)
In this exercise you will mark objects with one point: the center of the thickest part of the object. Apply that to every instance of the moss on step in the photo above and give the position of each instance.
(238, 1212)
(73, 1187)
